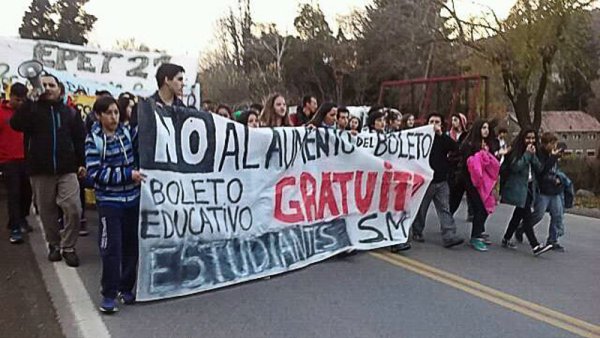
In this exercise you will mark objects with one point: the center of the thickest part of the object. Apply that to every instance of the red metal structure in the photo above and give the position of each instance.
(471, 85)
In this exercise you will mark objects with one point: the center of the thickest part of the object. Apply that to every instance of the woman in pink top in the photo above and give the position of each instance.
(480, 173)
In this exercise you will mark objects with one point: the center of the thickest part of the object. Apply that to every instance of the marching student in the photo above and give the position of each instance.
(438, 190)
(519, 187)
(480, 173)
(376, 121)
(13, 166)
(343, 117)
(249, 118)
(110, 166)
(326, 116)
(224, 111)
(306, 112)
(275, 113)
(551, 189)
(394, 120)
(55, 157)
(407, 121)
(355, 124)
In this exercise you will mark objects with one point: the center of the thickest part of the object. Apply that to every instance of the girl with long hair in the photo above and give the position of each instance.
(325, 116)
(275, 113)
(407, 121)
(518, 187)
(394, 120)
(481, 172)
(355, 124)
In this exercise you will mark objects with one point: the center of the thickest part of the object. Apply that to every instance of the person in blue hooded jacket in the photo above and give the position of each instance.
(111, 170)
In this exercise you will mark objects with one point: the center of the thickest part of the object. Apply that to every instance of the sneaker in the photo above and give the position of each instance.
(538, 250)
(25, 227)
(71, 258)
(519, 235)
(486, 240)
(83, 230)
(16, 237)
(108, 305)
(453, 242)
(508, 244)
(558, 248)
(126, 297)
(54, 254)
(477, 244)
(418, 237)
(400, 247)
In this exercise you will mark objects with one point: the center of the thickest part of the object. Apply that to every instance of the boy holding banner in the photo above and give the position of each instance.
(110, 167)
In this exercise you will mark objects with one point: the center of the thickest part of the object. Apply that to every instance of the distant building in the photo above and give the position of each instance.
(578, 130)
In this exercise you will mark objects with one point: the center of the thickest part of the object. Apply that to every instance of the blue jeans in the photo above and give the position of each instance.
(554, 205)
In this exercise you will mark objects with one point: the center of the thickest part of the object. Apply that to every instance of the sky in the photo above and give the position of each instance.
(187, 27)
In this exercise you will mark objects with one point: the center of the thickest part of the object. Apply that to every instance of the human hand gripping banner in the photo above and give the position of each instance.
(224, 204)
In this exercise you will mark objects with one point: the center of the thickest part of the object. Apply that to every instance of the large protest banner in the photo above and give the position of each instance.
(90, 69)
(223, 204)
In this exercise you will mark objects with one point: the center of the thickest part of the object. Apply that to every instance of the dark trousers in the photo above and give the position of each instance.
(480, 215)
(118, 243)
(82, 196)
(523, 214)
(457, 190)
(19, 193)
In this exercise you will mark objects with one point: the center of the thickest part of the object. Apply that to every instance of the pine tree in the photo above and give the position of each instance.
(74, 22)
(37, 23)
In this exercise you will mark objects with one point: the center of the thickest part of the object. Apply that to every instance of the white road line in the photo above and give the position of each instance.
(78, 315)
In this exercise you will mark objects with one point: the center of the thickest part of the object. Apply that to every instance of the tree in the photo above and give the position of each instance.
(37, 22)
(72, 23)
(131, 44)
(524, 46)
(397, 40)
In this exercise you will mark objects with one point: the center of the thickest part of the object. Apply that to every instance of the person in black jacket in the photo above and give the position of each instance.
(438, 190)
(55, 159)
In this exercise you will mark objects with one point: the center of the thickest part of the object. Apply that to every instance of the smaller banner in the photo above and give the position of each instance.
(90, 69)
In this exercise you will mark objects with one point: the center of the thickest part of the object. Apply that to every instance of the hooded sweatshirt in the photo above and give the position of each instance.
(110, 168)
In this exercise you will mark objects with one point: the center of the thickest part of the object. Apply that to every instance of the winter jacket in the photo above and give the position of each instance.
(438, 160)
(483, 169)
(110, 164)
(11, 141)
(299, 119)
(177, 102)
(515, 179)
(55, 137)
(548, 179)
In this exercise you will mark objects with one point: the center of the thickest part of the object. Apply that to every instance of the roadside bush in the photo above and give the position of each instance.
(585, 172)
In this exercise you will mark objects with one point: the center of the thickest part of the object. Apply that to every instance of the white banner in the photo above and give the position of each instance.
(81, 67)
(223, 204)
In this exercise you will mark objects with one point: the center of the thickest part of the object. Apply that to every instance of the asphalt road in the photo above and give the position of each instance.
(365, 296)
(428, 291)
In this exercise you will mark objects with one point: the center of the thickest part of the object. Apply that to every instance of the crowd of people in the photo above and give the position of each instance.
(47, 151)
